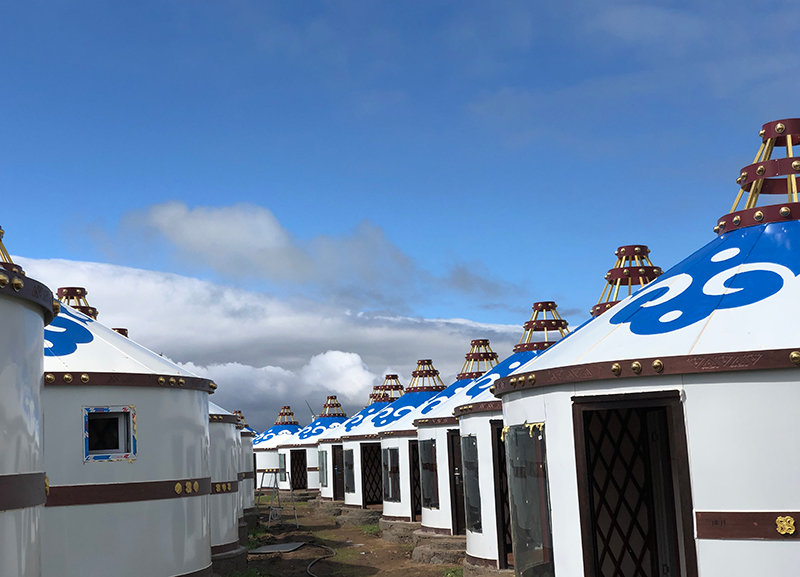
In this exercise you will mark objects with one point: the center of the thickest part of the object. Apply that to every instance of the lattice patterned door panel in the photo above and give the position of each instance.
(371, 473)
(621, 493)
(416, 483)
(502, 505)
(298, 469)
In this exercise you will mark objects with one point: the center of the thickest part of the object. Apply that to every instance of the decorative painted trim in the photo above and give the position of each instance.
(767, 525)
(177, 382)
(332, 441)
(228, 419)
(482, 407)
(650, 367)
(17, 285)
(435, 421)
(373, 436)
(22, 490)
(404, 433)
(312, 469)
(69, 495)
(222, 487)
(480, 561)
(247, 475)
(268, 471)
(109, 457)
(226, 548)
(199, 573)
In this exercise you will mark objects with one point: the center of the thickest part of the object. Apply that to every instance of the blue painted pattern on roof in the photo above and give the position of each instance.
(361, 416)
(401, 407)
(274, 431)
(319, 426)
(751, 264)
(66, 332)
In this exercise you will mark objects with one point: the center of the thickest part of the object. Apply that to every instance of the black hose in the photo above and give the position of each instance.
(331, 554)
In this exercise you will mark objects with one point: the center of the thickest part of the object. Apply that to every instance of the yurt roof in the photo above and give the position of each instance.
(215, 409)
(722, 308)
(381, 396)
(331, 416)
(76, 344)
(284, 425)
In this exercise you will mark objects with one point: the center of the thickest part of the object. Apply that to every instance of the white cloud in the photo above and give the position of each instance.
(264, 351)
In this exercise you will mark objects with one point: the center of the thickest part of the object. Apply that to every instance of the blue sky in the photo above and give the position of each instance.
(424, 160)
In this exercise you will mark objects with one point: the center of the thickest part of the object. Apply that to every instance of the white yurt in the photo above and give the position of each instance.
(297, 453)
(658, 438)
(228, 554)
(402, 499)
(26, 305)
(247, 474)
(440, 446)
(488, 523)
(361, 448)
(126, 451)
(265, 447)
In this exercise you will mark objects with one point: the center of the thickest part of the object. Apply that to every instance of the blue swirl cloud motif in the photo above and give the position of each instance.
(737, 269)
(65, 333)
(448, 393)
(319, 426)
(400, 408)
(362, 415)
(501, 370)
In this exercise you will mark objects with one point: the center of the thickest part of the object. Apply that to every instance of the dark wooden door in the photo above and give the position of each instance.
(502, 508)
(371, 477)
(459, 519)
(416, 485)
(338, 473)
(299, 470)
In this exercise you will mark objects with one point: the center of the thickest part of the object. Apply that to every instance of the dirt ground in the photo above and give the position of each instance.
(360, 551)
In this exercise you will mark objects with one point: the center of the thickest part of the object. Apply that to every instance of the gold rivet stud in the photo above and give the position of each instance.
(491, 389)
(172, 381)
(785, 211)
(56, 307)
(161, 380)
(622, 251)
(636, 367)
(84, 378)
(50, 378)
(3, 280)
(796, 165)
(716, 229)
(721, 224)
(67, 378)
(216, 487)
(794, 356)
(531, 379)
(759, 216)
(658, 366)
(641, 271)
(780, 127)
(181, 382)
(740, 180)
(616, 368)
(761, 170)
(762, 133)
(229, 486)
(17, 283)
(196, 486)
(188, 487)
(178, 488)
(737, 219)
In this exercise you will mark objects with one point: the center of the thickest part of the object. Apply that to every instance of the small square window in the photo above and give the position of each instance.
(109, 433)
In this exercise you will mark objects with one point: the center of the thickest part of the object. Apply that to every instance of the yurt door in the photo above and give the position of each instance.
(416, 485)
(633, 477)
(502, 509)
(298, 469)
(338, 473)
(371, 474)
(456, 483)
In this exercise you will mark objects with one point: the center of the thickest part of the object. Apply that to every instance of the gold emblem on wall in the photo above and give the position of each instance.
(785, 525)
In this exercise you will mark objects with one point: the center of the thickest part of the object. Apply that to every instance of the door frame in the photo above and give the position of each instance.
(499, 464)
(338, 471)
(679, 453)
(456, 474)
(413, 465)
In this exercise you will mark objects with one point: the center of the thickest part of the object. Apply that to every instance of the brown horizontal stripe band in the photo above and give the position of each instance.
(199, 573)
(247, 434)
(268, 470)
(247, 475)
(482, 407)
(22, 490)
(771, 525)
(650, 367)
(435, 421)
(404, 433)
(68, 495)
(333, 441)
(312, 469)
(231, 419)
(17, 285)
(374, 436)
(218, 488)
(72, 379)
(218, 549)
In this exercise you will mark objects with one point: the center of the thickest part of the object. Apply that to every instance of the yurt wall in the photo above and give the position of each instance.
(265, 447)
(26, 305)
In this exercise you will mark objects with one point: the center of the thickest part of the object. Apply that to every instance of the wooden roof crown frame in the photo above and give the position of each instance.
(286, 417)
(541, 324)
(425, 378)
(767, 175)
(633, 267)
(23, 287)
(389, 391)
(480, 359)
(331, 408)
(75, 296)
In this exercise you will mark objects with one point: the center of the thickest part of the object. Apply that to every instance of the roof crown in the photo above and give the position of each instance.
(425, 378)
(541, 324)
(389, 391)
(75, 296)
(478, 360)
(286, 416)
(768, 176)
(332, 408)
(5, 258)
(633, 266)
